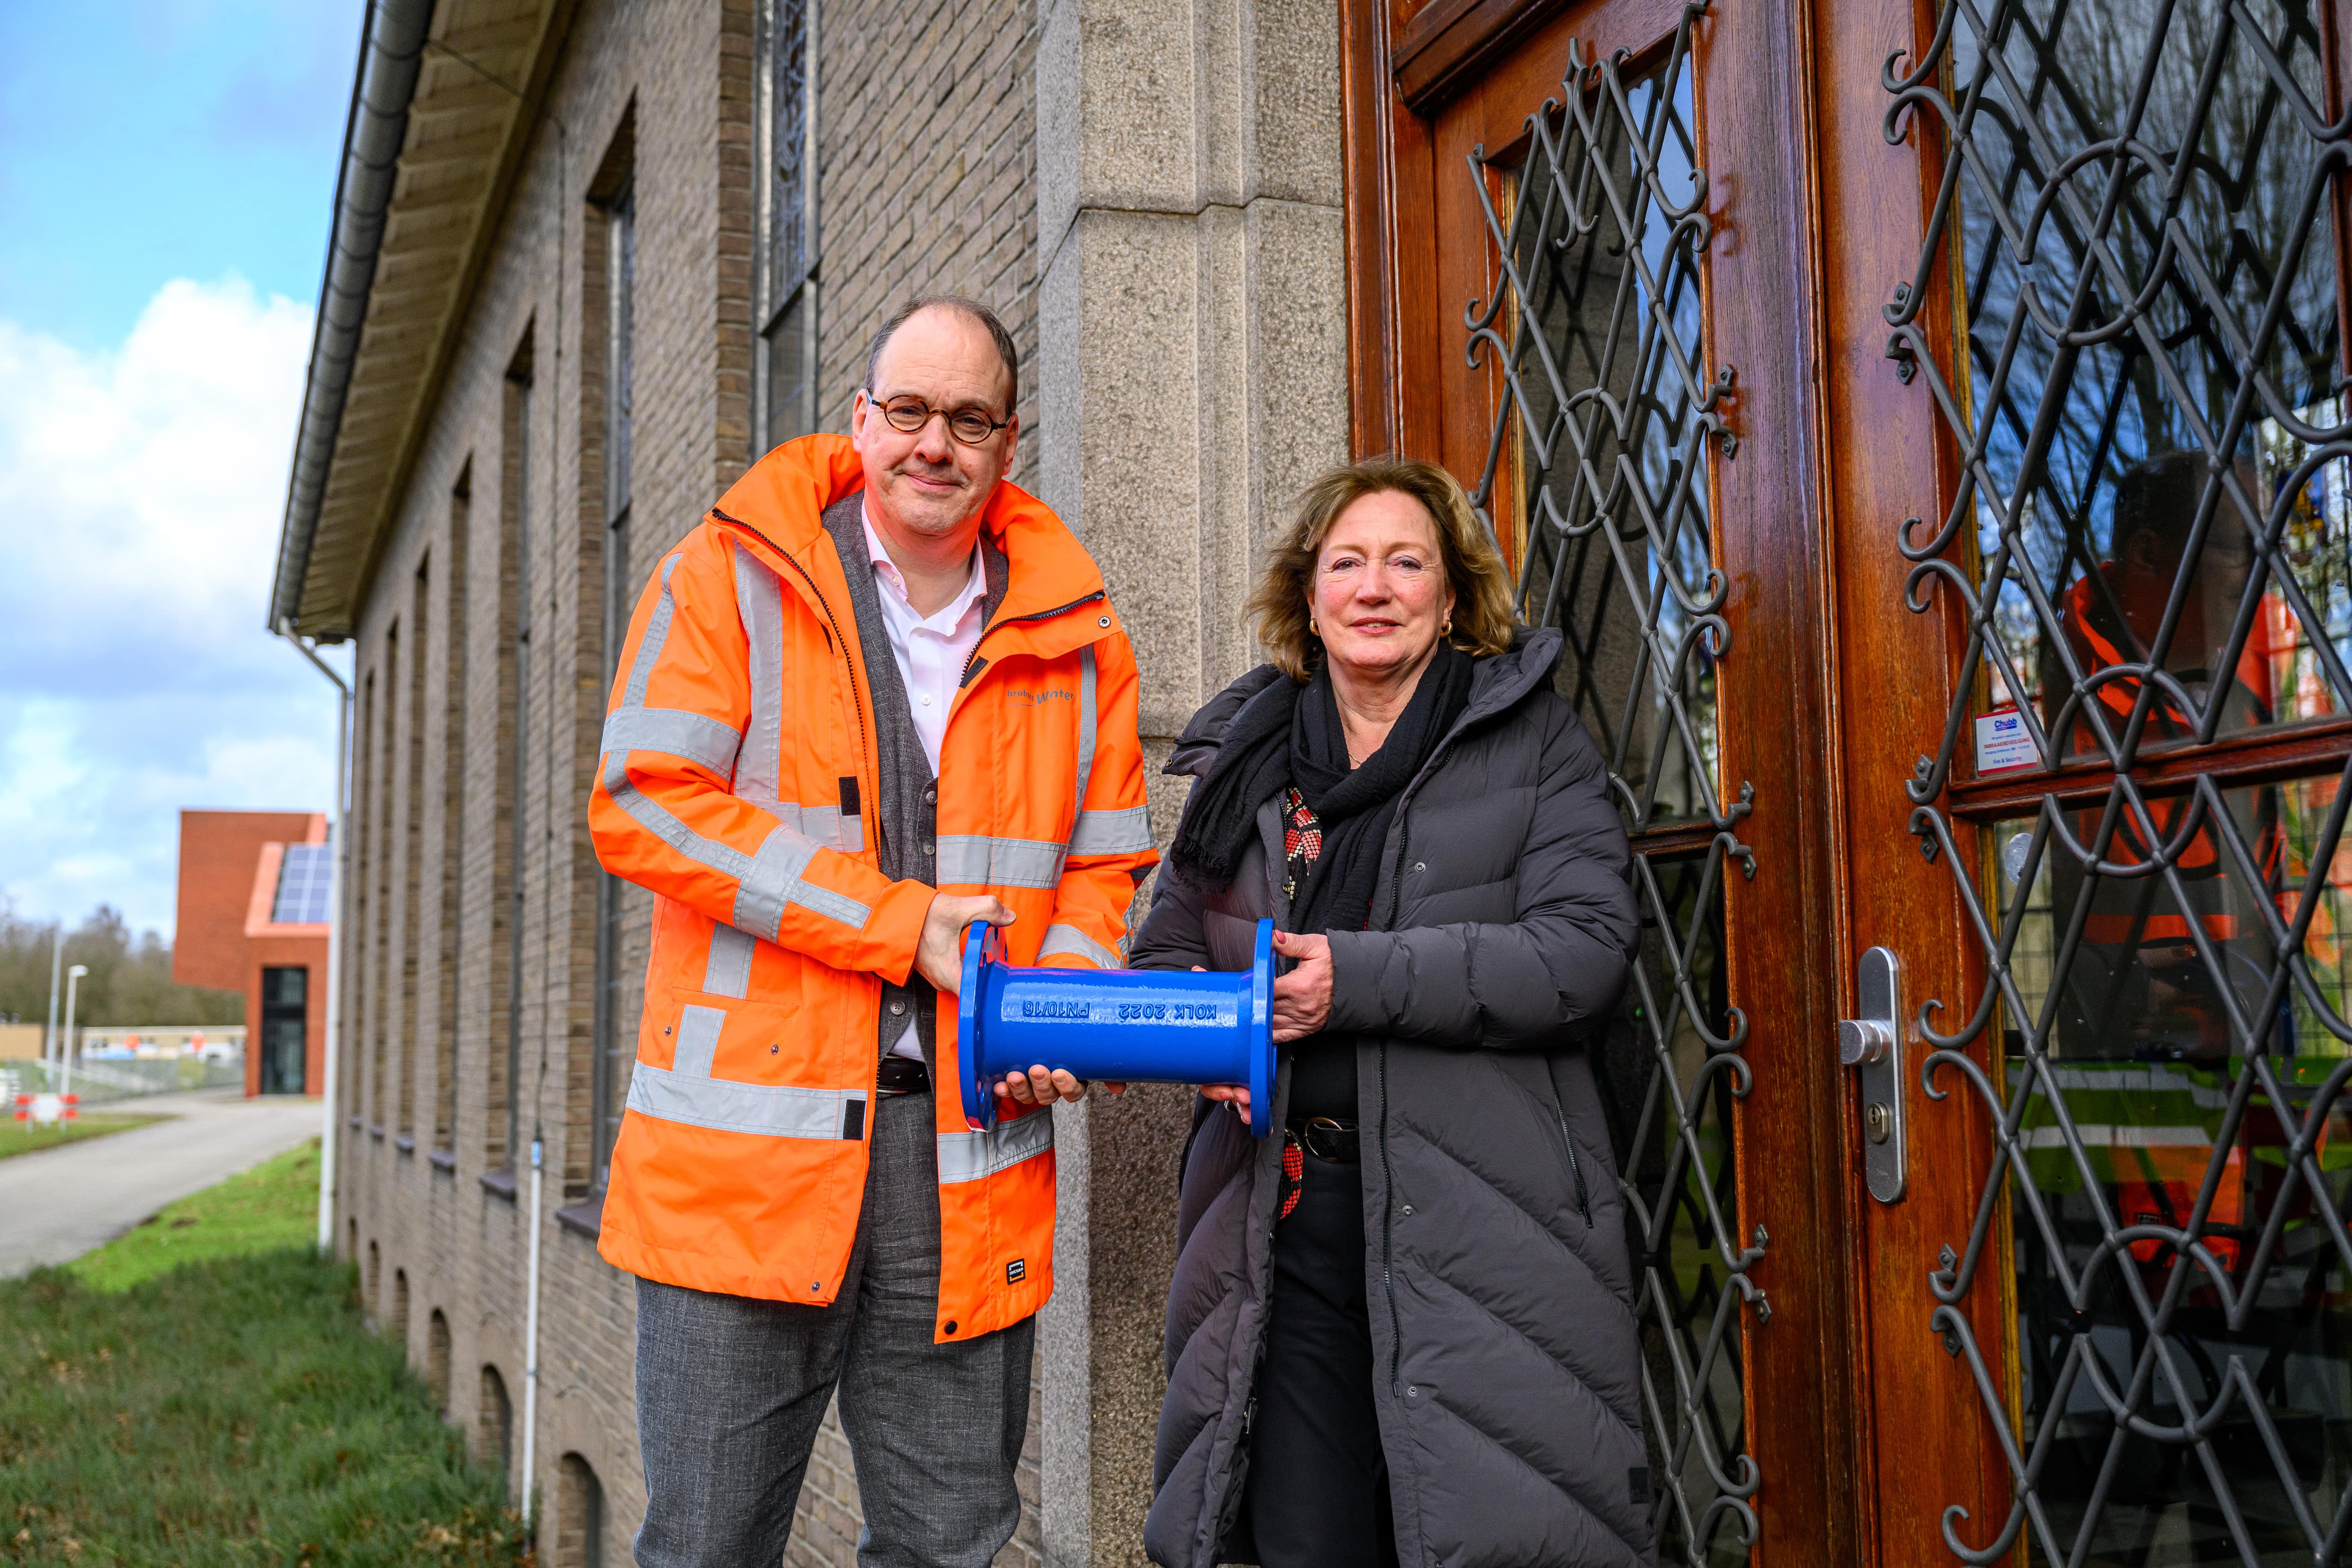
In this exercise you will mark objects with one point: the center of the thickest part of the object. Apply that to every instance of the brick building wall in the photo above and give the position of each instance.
(1151, 199)
(472, 904)
(218, 850)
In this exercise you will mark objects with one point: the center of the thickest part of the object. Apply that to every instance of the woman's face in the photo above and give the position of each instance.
(1378, 594)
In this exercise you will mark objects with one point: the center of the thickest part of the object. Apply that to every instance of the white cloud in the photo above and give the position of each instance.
(140, 495)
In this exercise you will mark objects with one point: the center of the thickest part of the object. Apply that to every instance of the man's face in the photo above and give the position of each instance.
(928, 483)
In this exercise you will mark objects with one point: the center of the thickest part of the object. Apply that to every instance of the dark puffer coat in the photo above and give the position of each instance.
(1507, 1367)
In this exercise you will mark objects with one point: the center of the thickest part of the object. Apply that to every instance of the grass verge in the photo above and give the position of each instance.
(24, 1138)
(226, 1411)
(272, 1207)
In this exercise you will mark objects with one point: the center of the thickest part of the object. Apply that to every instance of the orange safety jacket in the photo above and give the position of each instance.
(2132, 913)
(738, 743)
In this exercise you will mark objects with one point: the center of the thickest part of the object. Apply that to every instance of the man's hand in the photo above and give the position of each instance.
(1038, 1087)
(938, 956)
(1302, 998)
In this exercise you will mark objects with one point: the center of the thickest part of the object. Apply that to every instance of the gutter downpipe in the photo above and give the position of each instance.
(392, 52)
(329, 1101)
(531, 1338)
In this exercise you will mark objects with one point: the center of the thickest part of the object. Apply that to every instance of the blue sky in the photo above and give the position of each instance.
(167, 170)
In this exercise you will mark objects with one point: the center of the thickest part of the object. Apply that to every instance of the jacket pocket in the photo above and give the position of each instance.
(745, 1066)
(739, 1040)
(1575, 1165)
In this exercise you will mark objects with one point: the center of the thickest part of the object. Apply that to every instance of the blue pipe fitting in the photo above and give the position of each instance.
(1128, 1025)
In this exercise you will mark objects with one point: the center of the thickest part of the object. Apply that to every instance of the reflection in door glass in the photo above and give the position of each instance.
(1597, 477)
(2123, 521)
(2134, 225)
(2124, 1073)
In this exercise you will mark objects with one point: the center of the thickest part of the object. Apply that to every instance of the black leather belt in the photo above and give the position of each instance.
(902, 1075)
(1326, 1138)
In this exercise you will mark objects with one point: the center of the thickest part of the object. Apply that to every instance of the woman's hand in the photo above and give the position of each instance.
(1302, 998)
(1233, 1094)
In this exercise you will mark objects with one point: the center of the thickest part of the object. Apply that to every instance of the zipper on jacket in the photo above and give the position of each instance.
(1057, 610)
(840, 641)
(1388, 1177)
(1575, 1165)
(1388, 1233)
(972, 661)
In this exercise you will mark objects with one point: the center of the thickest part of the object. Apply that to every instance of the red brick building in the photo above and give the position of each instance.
(253, 918)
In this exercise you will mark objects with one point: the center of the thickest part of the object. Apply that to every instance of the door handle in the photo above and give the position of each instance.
(1872, 1045)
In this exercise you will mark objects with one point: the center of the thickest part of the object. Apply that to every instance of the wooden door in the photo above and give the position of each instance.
(1947, 493)
(1578, 238)
(2091, 541)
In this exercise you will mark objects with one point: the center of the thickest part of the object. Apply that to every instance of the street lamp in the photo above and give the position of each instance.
(57, 957)
(65, 1041)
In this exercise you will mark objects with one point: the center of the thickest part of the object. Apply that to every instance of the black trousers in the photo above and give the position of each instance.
(1318, 1492)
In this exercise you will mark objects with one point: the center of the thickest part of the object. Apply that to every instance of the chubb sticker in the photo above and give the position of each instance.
(2003, 742)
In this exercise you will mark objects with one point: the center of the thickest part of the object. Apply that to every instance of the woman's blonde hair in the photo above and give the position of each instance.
(1278, 608)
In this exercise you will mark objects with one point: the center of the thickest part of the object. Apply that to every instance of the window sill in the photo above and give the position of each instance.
(404, 1143)
(354, 1123)
(499, 1184)
(585, 1217)
(376, 1133)
(443, 1160)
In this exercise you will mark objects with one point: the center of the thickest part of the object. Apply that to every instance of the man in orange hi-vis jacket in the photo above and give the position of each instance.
(877, 694)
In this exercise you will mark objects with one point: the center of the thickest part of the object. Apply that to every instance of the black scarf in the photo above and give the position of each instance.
(1290, 734)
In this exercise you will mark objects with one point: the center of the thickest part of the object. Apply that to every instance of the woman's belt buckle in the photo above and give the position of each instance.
(1328, 1139)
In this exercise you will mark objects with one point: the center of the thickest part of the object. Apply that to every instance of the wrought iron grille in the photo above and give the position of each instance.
(1597, 474)
(2149, 550)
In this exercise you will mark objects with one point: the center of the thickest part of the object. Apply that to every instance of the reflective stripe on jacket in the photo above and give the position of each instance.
(738, 782)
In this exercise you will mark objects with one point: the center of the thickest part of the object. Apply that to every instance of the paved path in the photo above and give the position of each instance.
(58, 1204)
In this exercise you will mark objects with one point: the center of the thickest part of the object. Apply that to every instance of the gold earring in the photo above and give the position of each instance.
(1448, 629)
(1311, 630)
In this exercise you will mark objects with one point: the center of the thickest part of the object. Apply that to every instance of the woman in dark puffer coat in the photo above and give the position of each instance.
(1403, 1329)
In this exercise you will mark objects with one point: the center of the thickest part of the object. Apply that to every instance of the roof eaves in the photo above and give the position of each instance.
(383, 85)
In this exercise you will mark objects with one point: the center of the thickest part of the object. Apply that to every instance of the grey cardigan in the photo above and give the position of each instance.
(1506, 1360)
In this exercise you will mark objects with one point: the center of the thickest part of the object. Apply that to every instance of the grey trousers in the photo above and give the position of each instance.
(731, 1391)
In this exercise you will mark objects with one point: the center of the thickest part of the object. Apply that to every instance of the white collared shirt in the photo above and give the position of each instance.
(931, 651)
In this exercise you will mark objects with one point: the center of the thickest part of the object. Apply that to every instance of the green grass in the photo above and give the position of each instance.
(24, 1138)
(272, 1207)
(206, 1406)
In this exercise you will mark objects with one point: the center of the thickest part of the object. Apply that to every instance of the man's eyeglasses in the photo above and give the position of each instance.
(970, 425)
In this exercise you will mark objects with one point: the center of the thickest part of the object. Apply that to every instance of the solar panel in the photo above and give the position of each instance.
(304, 880)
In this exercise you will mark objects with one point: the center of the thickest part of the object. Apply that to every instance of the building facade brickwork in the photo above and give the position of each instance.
(603, 383)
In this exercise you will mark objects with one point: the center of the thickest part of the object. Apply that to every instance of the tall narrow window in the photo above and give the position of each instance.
(452, 819)
(514, 541)
(354, 938)
(379, 1005)
(785, 384)
(612, 1035)
(411, 861)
